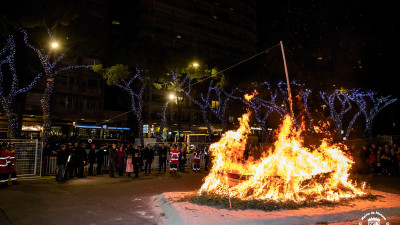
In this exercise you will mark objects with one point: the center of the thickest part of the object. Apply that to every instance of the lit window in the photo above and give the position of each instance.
(214, 104)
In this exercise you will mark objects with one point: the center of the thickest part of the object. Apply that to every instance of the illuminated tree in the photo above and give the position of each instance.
(339, 104)
(163, 122)
(180, 81)
(262, 111)
(270, 100)
(370, 104)
(7, 57)
(51, 70)
(133, 84)
(262, 105)
(202, 101)
(219, 110)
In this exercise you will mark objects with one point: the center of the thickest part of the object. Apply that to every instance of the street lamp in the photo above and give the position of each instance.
(54, 45)
(195, 65)
(171, 96)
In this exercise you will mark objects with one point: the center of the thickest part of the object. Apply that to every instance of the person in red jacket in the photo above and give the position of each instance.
(11, 164)
(196, 161)
(3, 166)
(372, 161)
(173, 165)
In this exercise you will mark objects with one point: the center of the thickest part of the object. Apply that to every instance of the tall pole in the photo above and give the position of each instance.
(287, 81)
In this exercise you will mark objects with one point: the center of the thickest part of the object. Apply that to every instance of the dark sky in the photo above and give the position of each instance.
(350, 43)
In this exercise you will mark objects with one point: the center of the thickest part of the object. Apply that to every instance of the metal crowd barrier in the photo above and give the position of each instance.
(50, 164)
(28, 153)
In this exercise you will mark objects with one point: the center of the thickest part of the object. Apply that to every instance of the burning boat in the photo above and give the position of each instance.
(286, 171)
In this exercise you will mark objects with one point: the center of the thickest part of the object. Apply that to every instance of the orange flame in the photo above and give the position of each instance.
(289, 171)
(249, 97)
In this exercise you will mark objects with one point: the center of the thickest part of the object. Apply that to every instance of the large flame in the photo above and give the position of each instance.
(288, 171)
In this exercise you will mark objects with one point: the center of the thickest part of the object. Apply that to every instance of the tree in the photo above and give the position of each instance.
(224, 98)
(202, 102)
(267, 100)
(182, 78)
(163, 122)
(262, 111)
(343, 100)
(260, 107)
(13, 89)
(51, 70)
(134, 84)
(377, 103)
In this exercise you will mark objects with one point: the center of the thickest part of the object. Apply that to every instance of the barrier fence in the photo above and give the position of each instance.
(28, 156)
(29, 161)
(50, 164)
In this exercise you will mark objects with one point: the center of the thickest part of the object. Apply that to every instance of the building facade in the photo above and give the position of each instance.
(222, 31)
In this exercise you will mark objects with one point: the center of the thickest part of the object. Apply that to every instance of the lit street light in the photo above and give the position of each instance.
(54, 45)
(195, 65)
(171, 96)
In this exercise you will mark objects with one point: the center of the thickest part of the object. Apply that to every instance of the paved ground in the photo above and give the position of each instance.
(104, 200)
(90, 200)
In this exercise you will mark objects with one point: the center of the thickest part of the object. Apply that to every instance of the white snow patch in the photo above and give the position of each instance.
(188, 213)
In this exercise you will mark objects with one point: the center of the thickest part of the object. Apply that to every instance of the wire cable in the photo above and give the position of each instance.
(199, 81)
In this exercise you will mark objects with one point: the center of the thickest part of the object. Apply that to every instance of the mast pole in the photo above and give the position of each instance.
(287, 81)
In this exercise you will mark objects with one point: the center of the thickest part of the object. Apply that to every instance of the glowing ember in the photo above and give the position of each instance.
(288, 171)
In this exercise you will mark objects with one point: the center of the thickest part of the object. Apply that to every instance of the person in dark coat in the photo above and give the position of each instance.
(206, 152)
(68, 150)
(182, 159)
(82, 159)
(141, 156)
(73, 162)
(100, 160)
(121, 159)
(46, 153)
(61, 163)
(148, 154)
(162, 157)
(92, 159)
(112, 152)
(136, 164)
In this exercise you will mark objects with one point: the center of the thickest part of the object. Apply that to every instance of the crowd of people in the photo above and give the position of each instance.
(129, 159)
(378, 159)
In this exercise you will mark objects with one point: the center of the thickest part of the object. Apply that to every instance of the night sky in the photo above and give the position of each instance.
(347, 43)
(328, 43)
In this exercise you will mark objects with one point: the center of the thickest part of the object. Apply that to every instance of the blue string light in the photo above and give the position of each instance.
(223, 100)
(202, 103)
(337, 114)
(7, 100)
(136, 98)
(376, 102)
(51, 71)
(163, 122)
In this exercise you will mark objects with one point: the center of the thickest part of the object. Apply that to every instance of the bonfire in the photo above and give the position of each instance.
(286, 171)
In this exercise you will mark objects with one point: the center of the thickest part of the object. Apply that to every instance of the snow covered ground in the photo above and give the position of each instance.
(188, 213)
